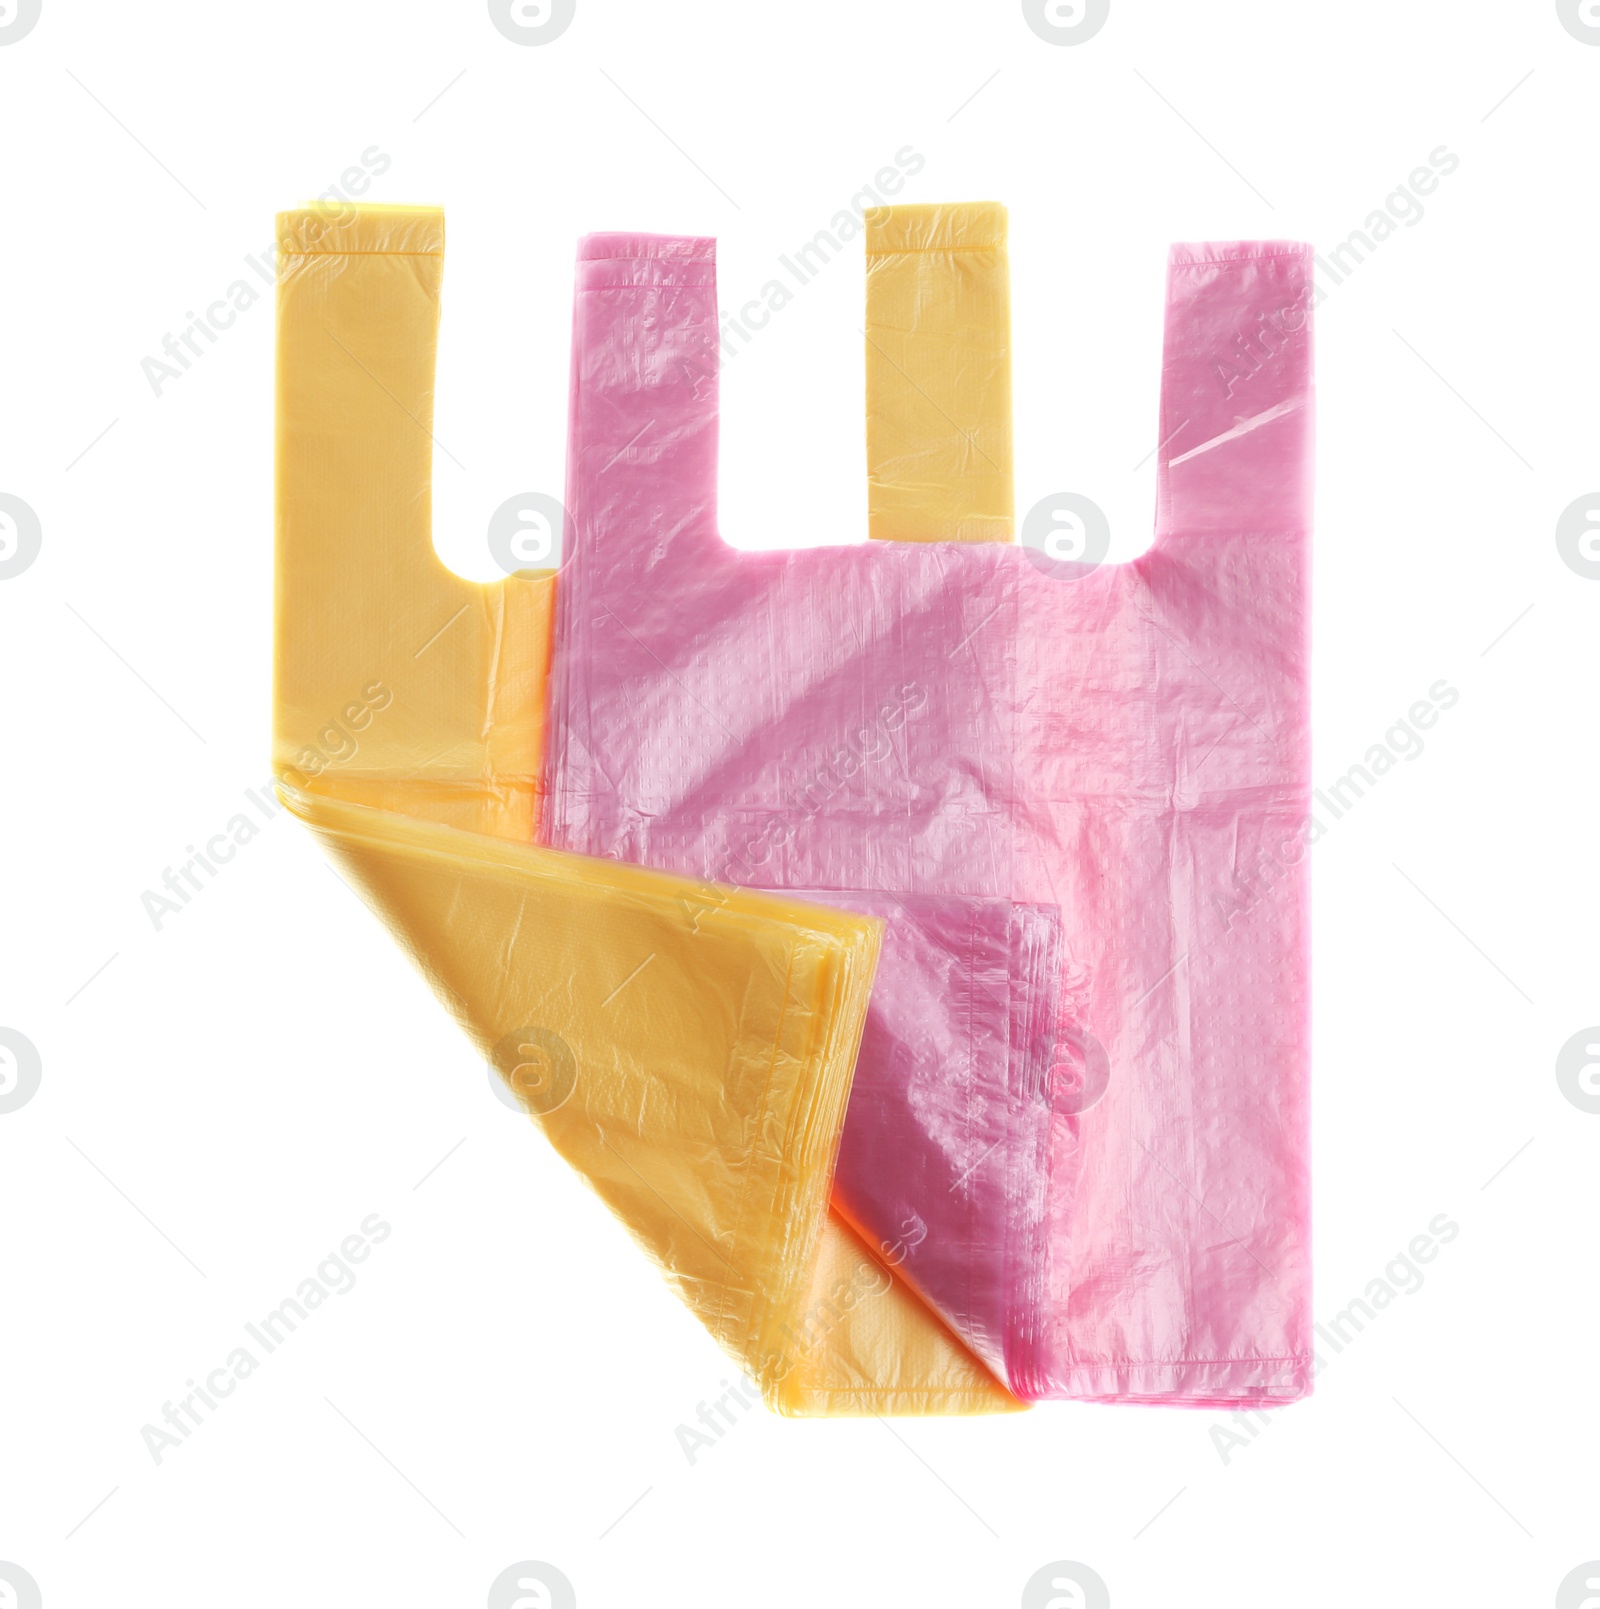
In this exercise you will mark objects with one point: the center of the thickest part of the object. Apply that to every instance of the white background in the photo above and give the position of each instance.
(257, 1077)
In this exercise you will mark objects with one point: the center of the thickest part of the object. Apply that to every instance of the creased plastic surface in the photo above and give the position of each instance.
(1127, 744)
(688, 1048)
(944, 1162)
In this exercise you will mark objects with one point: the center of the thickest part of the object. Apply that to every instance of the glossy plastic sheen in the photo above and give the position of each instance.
(1127, 744)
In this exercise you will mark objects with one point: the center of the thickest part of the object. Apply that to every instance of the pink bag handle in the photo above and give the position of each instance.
(644, 373)
(1235, 443)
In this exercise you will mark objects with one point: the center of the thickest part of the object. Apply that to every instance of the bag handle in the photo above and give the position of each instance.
(1236, 396)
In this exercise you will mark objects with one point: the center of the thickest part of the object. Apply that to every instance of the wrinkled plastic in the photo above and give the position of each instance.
(944, 1161)
(688, 1050)
(1126, 743)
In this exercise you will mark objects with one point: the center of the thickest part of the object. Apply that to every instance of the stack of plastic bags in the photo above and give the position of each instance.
(906, 940)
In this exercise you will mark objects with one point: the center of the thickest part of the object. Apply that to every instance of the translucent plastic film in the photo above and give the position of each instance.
(1124, 744)
(689, 1050)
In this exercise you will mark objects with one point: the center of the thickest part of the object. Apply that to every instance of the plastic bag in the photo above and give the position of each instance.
(693, 1065)
(820, 747)
(1125, 742)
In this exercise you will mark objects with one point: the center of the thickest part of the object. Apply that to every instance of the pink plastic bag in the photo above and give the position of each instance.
(937, 1065)
(1127, 743)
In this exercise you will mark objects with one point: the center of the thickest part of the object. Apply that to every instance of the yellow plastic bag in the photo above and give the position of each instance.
(689, 1051)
